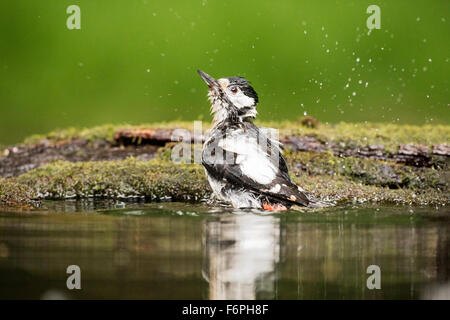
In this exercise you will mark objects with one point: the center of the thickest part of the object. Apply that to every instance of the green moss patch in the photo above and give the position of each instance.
(390, 135)
(342, 191)
(368, 171)
(101, 132)
(365, 134)
(13, 194)
(153, 180)
(158, 180)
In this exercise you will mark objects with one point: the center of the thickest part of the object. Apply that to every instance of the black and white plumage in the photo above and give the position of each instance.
(244, 164)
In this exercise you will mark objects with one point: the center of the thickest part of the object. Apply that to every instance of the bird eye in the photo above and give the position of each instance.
(234, 89)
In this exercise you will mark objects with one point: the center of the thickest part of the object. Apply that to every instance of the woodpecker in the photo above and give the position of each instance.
(243, 163)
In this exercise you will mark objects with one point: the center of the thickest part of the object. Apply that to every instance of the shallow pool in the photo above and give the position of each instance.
(185, 251)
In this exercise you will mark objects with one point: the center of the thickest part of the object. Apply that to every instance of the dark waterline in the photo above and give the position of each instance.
(184, 251)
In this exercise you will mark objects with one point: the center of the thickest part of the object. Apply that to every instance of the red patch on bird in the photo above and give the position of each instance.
(275, 207)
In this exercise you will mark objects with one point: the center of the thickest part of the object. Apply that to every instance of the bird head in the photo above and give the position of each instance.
(231, 97)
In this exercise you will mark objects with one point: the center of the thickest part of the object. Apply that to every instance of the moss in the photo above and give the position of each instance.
(367, 171)
(153, 180)
(361, 134)
(326, 176)
(100, 132)
(13, 194)
(364, 134)
(342, 190)
(161, 180)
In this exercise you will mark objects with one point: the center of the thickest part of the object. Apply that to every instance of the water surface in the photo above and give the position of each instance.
(184, 251)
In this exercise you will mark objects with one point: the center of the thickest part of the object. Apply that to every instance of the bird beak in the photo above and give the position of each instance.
(210, 81)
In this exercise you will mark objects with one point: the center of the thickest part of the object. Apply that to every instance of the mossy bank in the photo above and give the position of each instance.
(326, 174)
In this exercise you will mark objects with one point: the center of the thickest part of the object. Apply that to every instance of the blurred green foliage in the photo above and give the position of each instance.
(135, 61)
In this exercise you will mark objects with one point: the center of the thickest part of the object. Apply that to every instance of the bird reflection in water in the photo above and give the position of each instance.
(241, 254)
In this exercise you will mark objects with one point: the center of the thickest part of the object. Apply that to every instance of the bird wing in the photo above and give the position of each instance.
(259, 167)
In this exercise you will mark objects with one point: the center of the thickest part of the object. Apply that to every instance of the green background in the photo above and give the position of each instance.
(134, 61)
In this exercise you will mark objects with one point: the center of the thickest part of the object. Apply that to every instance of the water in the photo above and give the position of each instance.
(183, 251)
